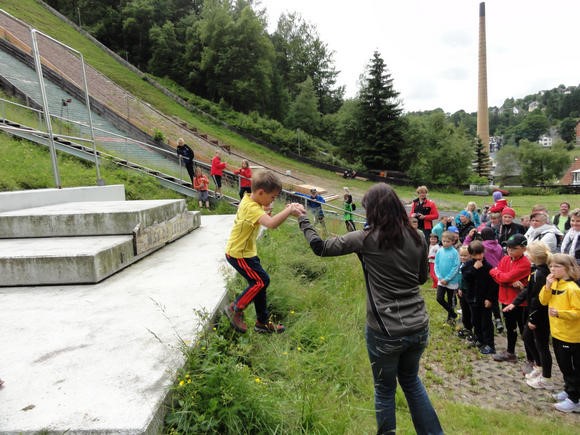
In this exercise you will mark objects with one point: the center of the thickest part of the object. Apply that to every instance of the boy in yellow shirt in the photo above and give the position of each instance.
(242, 253)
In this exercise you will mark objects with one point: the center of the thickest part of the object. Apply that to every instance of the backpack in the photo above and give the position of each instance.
(353, 206)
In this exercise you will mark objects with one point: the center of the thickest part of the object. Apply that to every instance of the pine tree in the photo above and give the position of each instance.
(482, 162)
(381, 135)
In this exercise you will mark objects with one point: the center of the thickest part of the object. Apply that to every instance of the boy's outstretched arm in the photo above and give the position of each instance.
(277, 220)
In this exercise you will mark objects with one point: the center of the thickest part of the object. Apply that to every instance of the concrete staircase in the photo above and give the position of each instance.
(61, 238)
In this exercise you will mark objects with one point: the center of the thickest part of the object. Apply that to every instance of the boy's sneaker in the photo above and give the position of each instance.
(561, 396)
(498, 326)
(487, 350)
(540, 382)
(269, 327)
(464, 333)
(236, 318)
(536, 371)
(505, 356)
(450, 322)
(567, 405)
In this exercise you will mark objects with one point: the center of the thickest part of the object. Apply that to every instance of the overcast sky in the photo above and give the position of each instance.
(431, 47)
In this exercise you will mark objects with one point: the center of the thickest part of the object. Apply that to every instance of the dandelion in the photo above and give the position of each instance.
(258, 381)
(181, 383)
(322, 338)
(214, 328)
(299, 349)
(292, 312)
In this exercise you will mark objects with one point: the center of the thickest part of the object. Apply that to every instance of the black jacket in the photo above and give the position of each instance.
(478, 285)
(537, 312)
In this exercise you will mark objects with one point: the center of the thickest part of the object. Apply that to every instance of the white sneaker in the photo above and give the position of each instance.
(559, 397)
(536, 371)
(540, 382)
(567, 406)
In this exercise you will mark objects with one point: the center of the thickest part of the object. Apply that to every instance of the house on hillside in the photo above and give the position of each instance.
(545, 141)
(578, 133)
(572, 174)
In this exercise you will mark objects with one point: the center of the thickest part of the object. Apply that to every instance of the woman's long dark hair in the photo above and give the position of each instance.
(387, 216)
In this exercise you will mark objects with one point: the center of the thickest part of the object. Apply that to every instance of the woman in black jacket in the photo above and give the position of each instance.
(394, 262)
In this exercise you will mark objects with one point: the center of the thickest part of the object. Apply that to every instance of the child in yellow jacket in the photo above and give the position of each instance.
(562, 295)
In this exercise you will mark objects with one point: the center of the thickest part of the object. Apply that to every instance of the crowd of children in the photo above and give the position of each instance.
(531, 273)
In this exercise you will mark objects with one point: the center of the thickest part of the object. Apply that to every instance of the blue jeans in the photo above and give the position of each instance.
(397, 358)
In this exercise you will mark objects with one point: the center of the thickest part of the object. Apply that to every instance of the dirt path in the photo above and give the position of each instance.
(498, 385)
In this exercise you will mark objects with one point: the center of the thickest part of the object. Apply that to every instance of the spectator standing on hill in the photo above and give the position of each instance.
(424, 210)
(348, 209)
(216, 172)
(185, 154)
(508, 227)
(245, 174)
(441, 226)
(394, 260)
(571, 242)
(562, 296)
(562, 219)
(314, 206)
(512, 276)
(201, 184)
(242, 253)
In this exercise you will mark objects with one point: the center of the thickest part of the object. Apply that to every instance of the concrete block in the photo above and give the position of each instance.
(159, 234)
(63, 260)
(88, 218)
(19, 199)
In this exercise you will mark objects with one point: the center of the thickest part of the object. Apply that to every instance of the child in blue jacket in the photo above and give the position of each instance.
(447, 271)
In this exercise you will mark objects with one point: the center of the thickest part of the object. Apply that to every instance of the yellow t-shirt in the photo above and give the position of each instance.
(565, 297)
(242, 241)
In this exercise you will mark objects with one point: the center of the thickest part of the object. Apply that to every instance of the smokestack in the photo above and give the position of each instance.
(482, 110)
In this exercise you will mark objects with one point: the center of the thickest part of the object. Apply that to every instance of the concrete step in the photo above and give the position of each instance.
(85, 242)
(88, 218)
(63, 260)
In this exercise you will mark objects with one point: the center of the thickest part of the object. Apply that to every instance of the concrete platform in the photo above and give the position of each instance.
(88, 218)
(100, 358)
(63, 260)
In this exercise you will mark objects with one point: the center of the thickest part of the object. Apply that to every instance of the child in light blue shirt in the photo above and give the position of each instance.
(447, 271)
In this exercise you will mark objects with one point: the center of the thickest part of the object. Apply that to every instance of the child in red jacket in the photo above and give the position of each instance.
(512, 274)
(245, 174)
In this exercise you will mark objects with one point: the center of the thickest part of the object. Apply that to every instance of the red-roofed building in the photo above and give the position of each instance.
(572, 175)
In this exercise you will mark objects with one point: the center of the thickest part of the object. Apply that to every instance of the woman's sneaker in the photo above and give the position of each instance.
(567, 406)
(536, 371)
(540, 382)
(561, 396)
(269, 327)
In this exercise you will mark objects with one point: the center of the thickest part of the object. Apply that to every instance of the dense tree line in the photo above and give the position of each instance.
(282, 88)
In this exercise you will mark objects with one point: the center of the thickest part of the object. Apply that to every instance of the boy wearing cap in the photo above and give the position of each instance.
(512, 274)
(508, 227)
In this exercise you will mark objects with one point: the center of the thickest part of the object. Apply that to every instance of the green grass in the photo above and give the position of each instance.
(315, 378)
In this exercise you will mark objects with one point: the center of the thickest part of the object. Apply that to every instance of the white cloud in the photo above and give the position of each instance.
(431, 48)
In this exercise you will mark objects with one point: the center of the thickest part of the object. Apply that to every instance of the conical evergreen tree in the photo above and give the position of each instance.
(482, 162)
(381, 135)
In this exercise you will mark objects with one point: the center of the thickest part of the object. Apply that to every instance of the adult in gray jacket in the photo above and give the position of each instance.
(394, 262)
